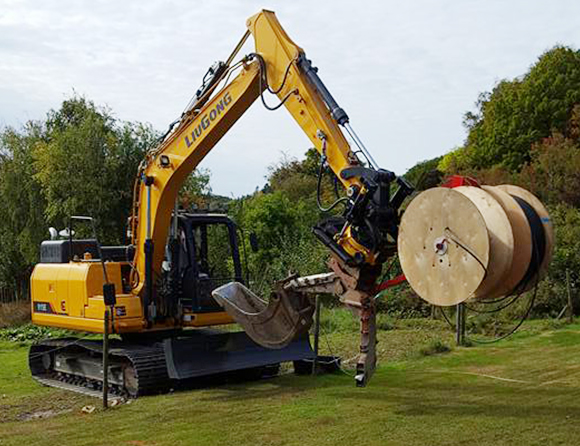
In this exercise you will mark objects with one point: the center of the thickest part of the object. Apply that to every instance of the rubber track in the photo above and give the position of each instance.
(148, 362)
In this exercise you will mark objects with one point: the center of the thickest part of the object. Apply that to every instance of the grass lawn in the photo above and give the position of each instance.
(522, 391)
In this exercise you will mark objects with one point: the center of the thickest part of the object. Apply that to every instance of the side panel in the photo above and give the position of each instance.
(69, 295)
(46, 291)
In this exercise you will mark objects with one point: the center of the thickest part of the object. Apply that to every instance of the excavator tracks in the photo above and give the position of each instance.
(73, 364)
(157, 365)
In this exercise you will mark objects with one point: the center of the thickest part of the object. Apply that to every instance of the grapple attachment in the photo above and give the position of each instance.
(272, 324)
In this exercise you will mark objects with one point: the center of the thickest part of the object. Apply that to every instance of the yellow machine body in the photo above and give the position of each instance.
(70, 295)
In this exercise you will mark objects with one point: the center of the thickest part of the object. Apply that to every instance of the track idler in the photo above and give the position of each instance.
(272, 324)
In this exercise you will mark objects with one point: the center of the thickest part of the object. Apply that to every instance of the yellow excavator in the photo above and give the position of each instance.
(167, 292)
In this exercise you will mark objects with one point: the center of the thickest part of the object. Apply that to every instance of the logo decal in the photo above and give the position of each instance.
(42, 307)
(208, 118)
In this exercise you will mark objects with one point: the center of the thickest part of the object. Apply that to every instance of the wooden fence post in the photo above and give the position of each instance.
(570, 307)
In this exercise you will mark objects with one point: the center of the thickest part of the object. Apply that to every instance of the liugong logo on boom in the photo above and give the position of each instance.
(208, 118)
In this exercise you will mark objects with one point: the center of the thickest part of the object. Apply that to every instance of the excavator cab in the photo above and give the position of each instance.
(209, 257)
(210, 280)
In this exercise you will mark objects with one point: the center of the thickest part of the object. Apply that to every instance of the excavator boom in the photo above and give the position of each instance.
(361, 240)
(278, 66)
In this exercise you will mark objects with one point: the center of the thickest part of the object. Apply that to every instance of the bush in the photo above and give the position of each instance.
(402, 303)
(437, 346)
(14, 314)
(31, 332)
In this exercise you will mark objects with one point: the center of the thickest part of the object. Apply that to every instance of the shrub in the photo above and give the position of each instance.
(14, 314)
(435, 347)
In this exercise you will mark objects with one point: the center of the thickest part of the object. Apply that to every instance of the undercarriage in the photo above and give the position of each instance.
(158, 365)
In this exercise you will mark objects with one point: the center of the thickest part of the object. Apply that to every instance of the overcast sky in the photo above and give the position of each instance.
(404, 71)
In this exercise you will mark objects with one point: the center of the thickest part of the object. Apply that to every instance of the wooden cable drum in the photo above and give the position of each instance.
(543, 238)
(522, 235)
(474, 243)
(440, 272)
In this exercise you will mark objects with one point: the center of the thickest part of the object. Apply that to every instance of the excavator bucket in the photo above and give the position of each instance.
(273, 324)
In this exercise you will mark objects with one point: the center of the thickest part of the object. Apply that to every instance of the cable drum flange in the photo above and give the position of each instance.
(522, 249)
(444, 247)
(501, 239)
(544, 239)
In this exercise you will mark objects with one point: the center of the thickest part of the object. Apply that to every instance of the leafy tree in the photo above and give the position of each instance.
(296, 179)
(79, 160)
(554, 172)
(519, 113)
(272, 217)
(196, 190)
(285, 240)
(425, 174)
(22, 222)
(87, 164)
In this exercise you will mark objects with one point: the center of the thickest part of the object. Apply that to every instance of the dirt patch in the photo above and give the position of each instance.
(39, 407)
(41, 414)
(325, 421)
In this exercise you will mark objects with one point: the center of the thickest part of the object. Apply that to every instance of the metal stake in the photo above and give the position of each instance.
(106, 361)
(570, 306)
(316, 335)
(460, 324)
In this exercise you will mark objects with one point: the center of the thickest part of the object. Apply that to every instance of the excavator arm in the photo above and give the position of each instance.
(361, 239)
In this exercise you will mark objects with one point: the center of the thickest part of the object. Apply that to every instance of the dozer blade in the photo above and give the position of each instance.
(206, 352)
(274, 324)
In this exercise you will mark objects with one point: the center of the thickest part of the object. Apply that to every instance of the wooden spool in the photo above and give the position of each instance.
(439, 271)
(547, 225)
(522, 252)
(501, 239)
(470, 242)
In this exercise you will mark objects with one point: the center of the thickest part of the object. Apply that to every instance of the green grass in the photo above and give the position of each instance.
(523, 391)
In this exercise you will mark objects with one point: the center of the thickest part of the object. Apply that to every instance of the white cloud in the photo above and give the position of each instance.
(405, 71)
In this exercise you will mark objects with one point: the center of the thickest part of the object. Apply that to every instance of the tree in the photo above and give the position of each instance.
(272, 217)
(518, 113)
(554, 173)
(22, 222)
(425, 174)
(282, 216)
(87, 164)
(296, 179)
(196, 190)
(79, 160)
